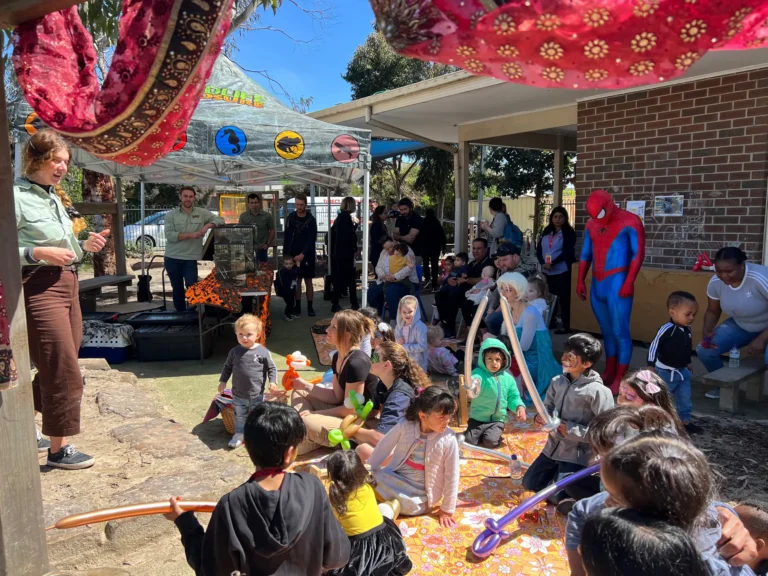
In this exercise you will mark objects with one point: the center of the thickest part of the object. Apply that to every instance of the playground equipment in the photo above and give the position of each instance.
(489, 539)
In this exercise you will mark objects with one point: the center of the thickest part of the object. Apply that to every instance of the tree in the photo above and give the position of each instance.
(435, 176)
(374, 68)
(517, 171)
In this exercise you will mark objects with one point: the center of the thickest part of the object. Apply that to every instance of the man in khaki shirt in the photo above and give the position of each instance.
(265, 225)
(185, 227)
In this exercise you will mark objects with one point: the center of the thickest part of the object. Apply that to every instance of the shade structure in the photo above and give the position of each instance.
(383, 149)
(240, 135)
(577, 44)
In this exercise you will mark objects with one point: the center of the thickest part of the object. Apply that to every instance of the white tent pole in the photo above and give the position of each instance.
(17, 160)
(312, 199)
(141, 215)
(366, 233)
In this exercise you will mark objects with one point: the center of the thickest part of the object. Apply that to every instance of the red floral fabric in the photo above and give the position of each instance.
(581, 44)
(165, 53)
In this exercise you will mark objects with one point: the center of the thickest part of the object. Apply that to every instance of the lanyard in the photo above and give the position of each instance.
(552, 239)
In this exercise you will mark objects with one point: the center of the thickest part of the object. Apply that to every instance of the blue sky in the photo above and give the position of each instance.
(314, 69)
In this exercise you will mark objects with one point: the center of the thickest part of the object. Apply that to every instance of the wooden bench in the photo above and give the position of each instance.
(91, 288)
(749, 372)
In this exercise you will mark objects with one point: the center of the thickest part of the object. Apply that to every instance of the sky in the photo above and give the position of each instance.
(312, 69)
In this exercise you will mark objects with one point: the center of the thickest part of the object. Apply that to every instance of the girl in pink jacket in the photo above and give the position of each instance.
(424, 464)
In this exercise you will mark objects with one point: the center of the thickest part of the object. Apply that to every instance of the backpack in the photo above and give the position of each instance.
(512, 234)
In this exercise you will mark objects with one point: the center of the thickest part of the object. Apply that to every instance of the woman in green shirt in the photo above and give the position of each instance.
(49, 251)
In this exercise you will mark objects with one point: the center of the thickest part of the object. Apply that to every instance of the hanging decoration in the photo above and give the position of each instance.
(164, 55)
(581, 44)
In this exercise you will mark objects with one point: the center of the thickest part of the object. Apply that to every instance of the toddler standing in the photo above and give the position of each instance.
(670, 353)
(497, 393)
(411, 332)
(422, 458)
(440, 359)
(249, 364)
(376, 544)
(285, 287)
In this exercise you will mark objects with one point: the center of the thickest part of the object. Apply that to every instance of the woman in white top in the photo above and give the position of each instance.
(740, 290)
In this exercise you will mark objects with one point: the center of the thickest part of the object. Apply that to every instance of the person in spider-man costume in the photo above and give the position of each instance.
(614, 243)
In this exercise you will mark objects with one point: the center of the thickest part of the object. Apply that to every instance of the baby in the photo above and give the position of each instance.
(398, 261)
(486, 282)
(439, 358)
(537, 293)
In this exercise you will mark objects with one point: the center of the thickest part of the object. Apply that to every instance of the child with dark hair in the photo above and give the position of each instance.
(424, 466)
(277, 522)
(285, 287)
(377, 546)
(754, 515)
(670, 353)
(644, 388)
(624, 422)
(494, 392)
(459, 270)
(621, 542)
(657, 472)
(576, 397)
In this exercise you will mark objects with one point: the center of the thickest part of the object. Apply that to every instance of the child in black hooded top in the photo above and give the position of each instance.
(277, 523)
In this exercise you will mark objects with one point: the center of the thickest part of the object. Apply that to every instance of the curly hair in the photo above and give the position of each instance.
(403, 365)
(347, 475)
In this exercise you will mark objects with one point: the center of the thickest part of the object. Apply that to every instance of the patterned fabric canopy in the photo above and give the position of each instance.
(583, 44)
(165, 52)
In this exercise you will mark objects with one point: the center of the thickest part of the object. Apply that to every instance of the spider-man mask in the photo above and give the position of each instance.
(601, 206)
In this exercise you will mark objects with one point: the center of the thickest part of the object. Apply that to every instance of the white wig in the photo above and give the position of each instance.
(516, 281)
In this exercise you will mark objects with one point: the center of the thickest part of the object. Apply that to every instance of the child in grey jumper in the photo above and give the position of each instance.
(249, 364)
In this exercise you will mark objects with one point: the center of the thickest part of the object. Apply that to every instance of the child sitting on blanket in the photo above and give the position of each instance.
(424, 466)
(249, 364)
(576, 397)
(497, 394)
(441, 360)
(275, 523)
(377, 546)
(410, 331)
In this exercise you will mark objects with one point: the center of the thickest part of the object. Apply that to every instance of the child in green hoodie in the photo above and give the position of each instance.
(497, 393)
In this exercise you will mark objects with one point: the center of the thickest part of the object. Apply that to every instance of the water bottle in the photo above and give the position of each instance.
(733, 358)
(516, 471)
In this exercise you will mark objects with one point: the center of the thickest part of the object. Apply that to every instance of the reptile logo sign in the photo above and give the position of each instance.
(231, 141)
(345, 149)
(289, 145)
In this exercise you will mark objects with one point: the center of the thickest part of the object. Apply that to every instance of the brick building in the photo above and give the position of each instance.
(706, 140)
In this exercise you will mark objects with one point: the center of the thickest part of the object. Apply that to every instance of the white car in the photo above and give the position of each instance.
(154, 231)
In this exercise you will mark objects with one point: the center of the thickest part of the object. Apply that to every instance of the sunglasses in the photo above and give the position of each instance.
(625, 391)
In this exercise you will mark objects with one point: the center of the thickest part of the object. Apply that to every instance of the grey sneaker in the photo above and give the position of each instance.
(43, 444)
(713, 394)
(68, 458)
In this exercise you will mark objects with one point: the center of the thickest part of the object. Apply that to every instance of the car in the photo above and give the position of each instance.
(154, 231)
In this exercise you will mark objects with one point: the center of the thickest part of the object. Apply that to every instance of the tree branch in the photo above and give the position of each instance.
(243, 17)
(284, 33)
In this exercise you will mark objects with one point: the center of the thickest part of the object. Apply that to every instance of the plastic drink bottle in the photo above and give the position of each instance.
(516, 471)
(733, 358)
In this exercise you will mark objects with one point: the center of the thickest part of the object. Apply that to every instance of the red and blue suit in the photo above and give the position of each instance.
(614, 244)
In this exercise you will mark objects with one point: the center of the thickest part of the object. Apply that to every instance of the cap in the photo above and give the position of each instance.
(507, 249)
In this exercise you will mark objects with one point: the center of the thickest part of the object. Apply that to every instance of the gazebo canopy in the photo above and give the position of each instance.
(240, 135)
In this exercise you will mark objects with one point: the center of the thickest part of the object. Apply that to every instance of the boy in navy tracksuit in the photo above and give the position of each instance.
(670, 353)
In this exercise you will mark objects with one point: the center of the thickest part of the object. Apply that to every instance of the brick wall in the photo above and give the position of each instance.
(704, 140)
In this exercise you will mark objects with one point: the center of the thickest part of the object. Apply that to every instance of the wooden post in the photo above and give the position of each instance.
(119, 238)
(23, 548)
(463, 403)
